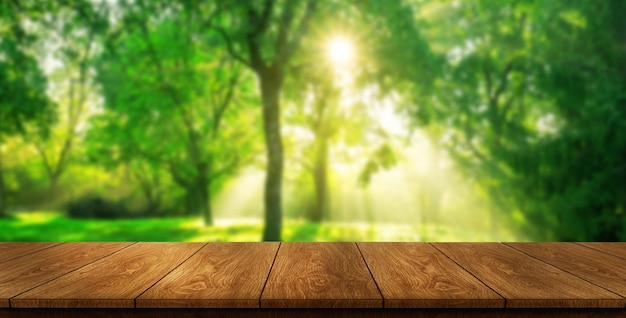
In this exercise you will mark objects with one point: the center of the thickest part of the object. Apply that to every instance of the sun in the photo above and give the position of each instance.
(340, 51)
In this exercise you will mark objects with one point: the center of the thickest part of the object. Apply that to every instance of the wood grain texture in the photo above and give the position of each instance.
(220, 275)
(312, 279)
(12, 250)
(320, 275)
(615, 248)
(114, 281)
(526, 282)
(605, 270)
(416, 275)
(28, 271)
(313, 313)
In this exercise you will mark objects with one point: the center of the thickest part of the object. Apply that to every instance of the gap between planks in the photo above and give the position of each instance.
(160, 279)
(372, 275)
(469, 272)
(25, 250)
(269, 272)
(533, 287)
(368, 266)
(64, 274)
(563, 268)
(605, 247)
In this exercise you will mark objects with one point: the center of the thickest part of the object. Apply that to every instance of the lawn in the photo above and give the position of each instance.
(42, 226)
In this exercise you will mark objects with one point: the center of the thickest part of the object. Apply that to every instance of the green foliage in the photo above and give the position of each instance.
(399, 46)
(175, 103)
(23, 86)
(530, 98)
(527, 97)
(383, 158)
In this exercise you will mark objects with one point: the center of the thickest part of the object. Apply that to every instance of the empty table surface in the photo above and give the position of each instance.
(312, 275)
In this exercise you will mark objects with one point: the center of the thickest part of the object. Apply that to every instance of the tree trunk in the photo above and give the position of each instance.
(320, 178)
(270, 82)
(198, 203)
(198, 200)
(191, 201)
(153, 198)
(205, 200)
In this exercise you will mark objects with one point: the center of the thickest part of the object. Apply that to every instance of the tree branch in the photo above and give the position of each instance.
(262, 22)
(469, 133)
(231, 49)
(224, 103)
(503, 81)
(288, 50)
(192, 136)
(508, 104)
(493, 98)
(44, 158)
(232, 164)
(76, 109)
(256, 60)
(260, 25)
(285, 23)
(487, 73)
(207, 24)
(178, 178)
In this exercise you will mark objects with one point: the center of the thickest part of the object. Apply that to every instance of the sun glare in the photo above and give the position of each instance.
(340, 51)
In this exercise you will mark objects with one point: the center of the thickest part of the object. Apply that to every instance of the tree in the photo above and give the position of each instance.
(519, 98)
(343, 129)
(269, 34)
(22, 85)
(315, 106)
(579, 156)
(74, 30)
(175, 101)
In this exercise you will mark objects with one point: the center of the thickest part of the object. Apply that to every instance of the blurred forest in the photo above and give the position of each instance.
(502, 117)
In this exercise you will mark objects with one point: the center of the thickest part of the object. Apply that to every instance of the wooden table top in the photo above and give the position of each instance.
(312, 275)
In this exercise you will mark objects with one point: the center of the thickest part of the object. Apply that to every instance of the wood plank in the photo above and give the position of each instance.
(112, 282)
(314, 313)
(220, 275)
(605, 270)
(12, 250)
(615, 248)
(320, 275)
(416, 275)
(31, 270)
(526, 282)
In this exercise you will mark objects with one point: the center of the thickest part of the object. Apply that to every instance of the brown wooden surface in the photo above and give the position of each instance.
(416, 275)
(331, 279)
(525, 281)
(320, 275)
(220, 275)
(111, 282)
(31, 270)
(603, 270)
(314, 313)
(617, 249)
(13, 250)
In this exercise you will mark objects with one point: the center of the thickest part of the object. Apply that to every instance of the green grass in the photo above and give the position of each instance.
(41, 226)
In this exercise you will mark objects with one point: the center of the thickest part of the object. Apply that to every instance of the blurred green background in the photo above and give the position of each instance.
(312, 120)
